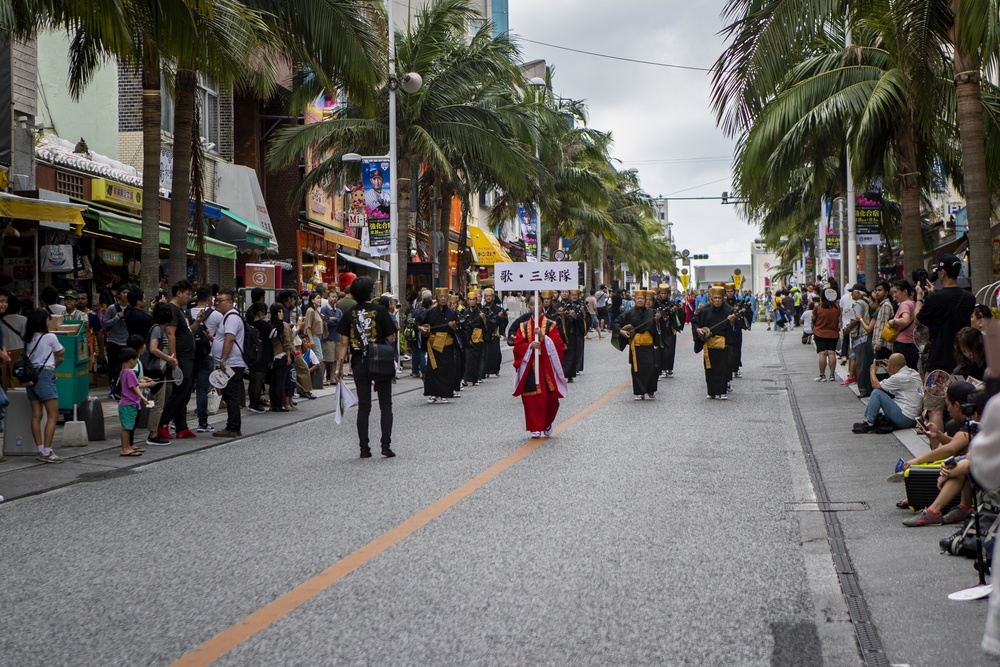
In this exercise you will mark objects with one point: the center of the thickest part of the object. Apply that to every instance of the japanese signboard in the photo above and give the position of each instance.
(528, 276)
(868, 216)
(832, 244)
(378, 201)
(529, 231)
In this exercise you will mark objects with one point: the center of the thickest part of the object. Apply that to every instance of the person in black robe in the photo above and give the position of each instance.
(709, 325)
(461, 340)
(637, 330)
(495, 311)
(734, 336)
(437, 328)
(672, 321)
(561, 314)
(580, 319)
(529, 313)
(474, 326)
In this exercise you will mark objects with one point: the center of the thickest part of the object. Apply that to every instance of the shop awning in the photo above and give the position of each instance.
(24, 208)
(486, 249)
(131, 227)
(242, 233)
(357, 261)
(342, 240)
(239, 191)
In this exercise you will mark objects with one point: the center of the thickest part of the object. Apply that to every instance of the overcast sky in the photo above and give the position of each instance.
(660, 117)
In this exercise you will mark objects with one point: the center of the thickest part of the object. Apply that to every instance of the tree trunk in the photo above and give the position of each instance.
(185, 89)
(909, 186)
(151, 116)
(462, 281)
(977, 195)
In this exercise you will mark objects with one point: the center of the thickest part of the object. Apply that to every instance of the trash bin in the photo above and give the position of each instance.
(73, 374)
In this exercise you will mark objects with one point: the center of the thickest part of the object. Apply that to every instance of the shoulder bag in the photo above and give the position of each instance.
(379, 358)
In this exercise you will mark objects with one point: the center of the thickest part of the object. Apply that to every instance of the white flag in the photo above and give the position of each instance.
(344, 399)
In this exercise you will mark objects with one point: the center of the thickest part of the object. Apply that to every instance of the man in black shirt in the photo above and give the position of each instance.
(363, 324)
(944, 311)
(181, 346)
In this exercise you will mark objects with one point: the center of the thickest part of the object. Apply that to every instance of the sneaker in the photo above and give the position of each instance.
(711, 397)
(205, 428)
(895, 477)
(651, 397)
(256, 410)
(157, 441)
(405, 357)
(670, 374)
(739, 374)
(185, 434)
(833, 378)
(432, 399)
(48, 458)
(821, 378)
(848, 381)
(456, 394)
(226, 433)
(536, 434)
(638, 397)
(164, 432)
(957, 515)
(443, 399)
(923, 518)
(863, 427)
(388, 453)
(723, 397)
(548, 431)
(366, 453)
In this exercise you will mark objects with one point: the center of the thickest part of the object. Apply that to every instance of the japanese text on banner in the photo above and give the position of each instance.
(527, 276)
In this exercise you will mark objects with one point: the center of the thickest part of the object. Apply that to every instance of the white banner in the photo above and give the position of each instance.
(530, 276)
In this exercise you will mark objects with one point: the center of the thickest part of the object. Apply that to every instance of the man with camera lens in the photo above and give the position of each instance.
(944, 311)
(896, 397)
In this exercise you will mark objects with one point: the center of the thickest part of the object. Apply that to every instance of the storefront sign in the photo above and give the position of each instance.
(323, 202)
(111, 257)
(868, 217)
(116, 194)
(529, 232)
(260, 275)
(832, 244)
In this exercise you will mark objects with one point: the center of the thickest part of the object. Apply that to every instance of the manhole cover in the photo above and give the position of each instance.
(843, 506)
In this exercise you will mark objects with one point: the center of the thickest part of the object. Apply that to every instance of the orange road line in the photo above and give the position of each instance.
(234, 636)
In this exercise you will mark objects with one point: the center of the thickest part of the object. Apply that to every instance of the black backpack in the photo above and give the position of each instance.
(24, 371)
(202, 341)
(251, 348)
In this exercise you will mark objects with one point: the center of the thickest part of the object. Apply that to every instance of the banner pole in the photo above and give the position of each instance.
(538, 337)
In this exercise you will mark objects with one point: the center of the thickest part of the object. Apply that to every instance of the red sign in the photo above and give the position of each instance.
(260, 275)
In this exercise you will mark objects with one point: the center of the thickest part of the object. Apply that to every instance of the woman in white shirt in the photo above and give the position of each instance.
(45, 353)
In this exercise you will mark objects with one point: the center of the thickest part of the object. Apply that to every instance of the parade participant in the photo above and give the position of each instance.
(672, 322)
(458, 349)
(710, 324)
(734, 335)
(638, 327)
(496, 331)
(438, 327)
(580, 326)
(473, 323)
(541, 399)
(529, 304)
(559, 313)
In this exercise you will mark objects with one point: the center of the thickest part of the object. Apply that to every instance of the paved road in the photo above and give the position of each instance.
(654, 533)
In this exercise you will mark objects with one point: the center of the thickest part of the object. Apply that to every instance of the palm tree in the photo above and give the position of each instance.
(452, 121)
(889, 94)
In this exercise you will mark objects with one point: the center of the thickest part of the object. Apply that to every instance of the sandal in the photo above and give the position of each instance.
(134, 452)
(903, 504)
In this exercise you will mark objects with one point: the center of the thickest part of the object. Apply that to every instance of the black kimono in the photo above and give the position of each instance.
(494, 358)
(440, 345)
(566, 326)
(642, 348)
(474, 332)
(715, 349)
(579, 331)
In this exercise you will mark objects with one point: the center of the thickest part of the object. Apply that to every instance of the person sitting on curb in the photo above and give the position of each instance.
(943, 445)
(951, 482)
(897, 397)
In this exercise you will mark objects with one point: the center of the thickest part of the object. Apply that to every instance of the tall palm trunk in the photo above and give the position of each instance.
(403, 232)
(444, 259)
(871, 266)
(180, 188)
(905, 146)
(151, 115)
(462, 281)
(977, 194)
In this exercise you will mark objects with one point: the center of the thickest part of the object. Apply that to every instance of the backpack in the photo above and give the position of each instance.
(202, 341)
(24, 371)
(251, 348)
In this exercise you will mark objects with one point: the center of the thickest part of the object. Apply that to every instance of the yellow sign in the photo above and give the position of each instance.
(117, 194)
(685, 278)
(486, 247)
(737, 279)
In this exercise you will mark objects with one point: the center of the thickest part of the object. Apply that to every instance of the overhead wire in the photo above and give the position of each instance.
(610, 57)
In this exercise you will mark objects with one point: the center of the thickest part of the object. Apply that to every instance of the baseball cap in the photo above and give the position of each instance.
(860, 287)
(71, 294)
(947, 261)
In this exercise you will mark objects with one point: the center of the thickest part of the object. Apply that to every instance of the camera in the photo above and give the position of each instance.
(920, 277)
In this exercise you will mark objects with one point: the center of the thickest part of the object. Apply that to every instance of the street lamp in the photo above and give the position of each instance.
(410, 83)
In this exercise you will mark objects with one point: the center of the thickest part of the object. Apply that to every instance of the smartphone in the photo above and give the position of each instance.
(949, 463)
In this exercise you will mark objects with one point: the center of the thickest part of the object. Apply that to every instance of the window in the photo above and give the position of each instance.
(69, 184)
(208, 103)
(167, 105)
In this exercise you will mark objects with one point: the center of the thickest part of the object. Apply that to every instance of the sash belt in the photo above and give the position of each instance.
(644, 339)
(713, 343)
(436, 342)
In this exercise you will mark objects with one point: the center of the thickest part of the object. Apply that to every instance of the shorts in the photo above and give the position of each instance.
(45, 388)
(825, 344)
(128, 414)
(330, 349)
(933, 403)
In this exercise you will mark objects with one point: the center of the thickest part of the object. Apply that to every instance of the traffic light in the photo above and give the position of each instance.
(699, 256)
(725, 197)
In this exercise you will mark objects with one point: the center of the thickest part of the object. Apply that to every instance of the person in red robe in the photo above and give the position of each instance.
(541, 401)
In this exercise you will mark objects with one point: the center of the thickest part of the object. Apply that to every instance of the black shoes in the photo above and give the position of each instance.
(863, 427)
(366, 453)
(388, 453)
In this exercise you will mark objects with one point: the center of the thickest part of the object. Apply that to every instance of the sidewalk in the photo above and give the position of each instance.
(904, 577)
(22, 476)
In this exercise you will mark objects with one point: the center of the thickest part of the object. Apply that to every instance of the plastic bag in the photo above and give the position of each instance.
(213, 402)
